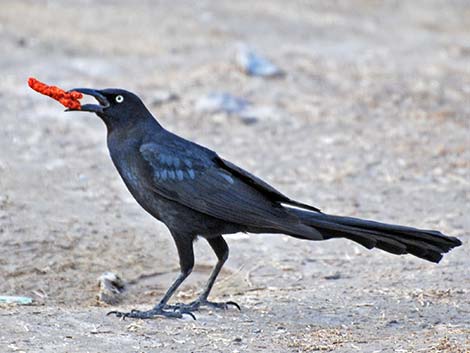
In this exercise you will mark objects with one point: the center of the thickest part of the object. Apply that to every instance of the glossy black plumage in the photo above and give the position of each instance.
(197, 193)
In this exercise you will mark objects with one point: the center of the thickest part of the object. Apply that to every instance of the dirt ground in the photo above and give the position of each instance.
(370, 120)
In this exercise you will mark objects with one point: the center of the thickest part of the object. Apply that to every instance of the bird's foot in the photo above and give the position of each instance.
(199, 303)
(150, 314)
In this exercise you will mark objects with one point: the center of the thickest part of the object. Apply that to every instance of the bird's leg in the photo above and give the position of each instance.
(220, 248)
(186, 255)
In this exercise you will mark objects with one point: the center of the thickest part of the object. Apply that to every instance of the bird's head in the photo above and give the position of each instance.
(115, 106)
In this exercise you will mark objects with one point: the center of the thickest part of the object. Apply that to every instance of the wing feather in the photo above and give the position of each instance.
(262, 185)
(194, 178)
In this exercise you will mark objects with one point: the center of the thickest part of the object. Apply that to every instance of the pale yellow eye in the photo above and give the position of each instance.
(119, 99)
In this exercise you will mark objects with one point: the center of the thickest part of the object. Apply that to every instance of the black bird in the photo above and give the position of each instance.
(194, 192)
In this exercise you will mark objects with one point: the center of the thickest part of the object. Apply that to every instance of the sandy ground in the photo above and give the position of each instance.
(371, 120)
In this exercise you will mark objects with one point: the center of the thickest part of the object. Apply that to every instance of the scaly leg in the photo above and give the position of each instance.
(220, 248)
(184, 245)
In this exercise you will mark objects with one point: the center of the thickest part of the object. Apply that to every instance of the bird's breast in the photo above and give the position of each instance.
(125, 157)
(126, 164)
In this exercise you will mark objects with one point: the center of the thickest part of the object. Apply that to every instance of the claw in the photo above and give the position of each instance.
(199, 303)
(234, 304)
(114, 312)
(188, 313)
(178, 311)
(118, 314)
(137, 314)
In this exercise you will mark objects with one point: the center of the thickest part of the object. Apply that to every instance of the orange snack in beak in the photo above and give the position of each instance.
(67, 99)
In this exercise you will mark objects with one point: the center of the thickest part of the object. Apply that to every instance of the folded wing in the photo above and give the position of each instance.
(195, 178)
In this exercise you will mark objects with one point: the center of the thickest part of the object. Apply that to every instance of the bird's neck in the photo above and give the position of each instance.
(134, 129)
(126, 123)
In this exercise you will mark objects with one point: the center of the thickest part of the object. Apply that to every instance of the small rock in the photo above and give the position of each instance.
(252, 115)
(15, 300)
(221, 102)
(161, 97)
(111, 288)
(235, 106)
(22, 42)
(255, 65)
(334, 276)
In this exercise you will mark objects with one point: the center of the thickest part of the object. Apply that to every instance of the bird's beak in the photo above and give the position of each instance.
(94, 108)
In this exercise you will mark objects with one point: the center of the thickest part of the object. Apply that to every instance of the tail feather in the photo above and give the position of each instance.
(426, 244)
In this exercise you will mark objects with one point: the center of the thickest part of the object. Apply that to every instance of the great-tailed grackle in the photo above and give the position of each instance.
(197, 193)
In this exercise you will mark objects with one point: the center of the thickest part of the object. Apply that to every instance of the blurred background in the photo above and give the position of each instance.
(360, 108)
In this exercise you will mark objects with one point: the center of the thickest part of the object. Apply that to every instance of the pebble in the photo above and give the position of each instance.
(221, 102)
(254, 64)
(15, 300)
(111, 288)
(162, 96)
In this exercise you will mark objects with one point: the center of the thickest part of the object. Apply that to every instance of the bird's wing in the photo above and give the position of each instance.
(262, 186)
(194, 177)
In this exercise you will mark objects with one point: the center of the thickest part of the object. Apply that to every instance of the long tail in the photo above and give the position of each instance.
(426, 244)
